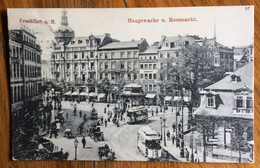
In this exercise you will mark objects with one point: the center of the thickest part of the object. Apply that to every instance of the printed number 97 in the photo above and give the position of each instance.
(247, 8)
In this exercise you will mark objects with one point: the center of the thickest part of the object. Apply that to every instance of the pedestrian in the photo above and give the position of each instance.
(105, 110)
(173, 138)
(85, 117)
(179, 126)
(107, 105)
(67, 115)
(159, 135)
(196, 156)
(101, 119)
(75, 111)
(83, 142)
(105, 122)
(80, 113)
(168, 134)
(81, 128)
(187, 155)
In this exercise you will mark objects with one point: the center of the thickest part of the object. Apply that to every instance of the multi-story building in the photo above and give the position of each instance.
(149, 73)
(46, 70)
(25, 71)
(75, 59)
(119, 61)
(243, 55)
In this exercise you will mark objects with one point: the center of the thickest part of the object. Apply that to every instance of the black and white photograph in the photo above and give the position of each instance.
(136, 84)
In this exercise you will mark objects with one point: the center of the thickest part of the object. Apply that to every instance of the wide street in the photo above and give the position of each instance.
(122, 140)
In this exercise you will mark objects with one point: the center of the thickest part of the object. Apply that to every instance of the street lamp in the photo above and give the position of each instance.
(182, 136)
(76, 145)
(161, 127)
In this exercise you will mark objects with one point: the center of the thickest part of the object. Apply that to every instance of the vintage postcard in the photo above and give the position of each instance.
(140, 84)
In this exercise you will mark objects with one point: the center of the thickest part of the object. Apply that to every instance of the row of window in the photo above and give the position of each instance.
(117, 55)
(32, 71)
(150, 87)
(174, 44)
(28, 39)
(239, 103)
(31, 56)
(148, 76)
(148, 57)
(118, 65)
(148, 66)
(16, 70)
(31, 89)
(113, 76)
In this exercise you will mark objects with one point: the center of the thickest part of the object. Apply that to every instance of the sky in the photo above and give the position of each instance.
(234, 25)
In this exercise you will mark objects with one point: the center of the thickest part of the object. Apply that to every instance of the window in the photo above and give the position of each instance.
(129, 76)
(172, 45)
(154, 66)
(91, 54)
(249, 102)
(122, 66)
(83, 54)
(154, 88)
(161, 55)
(75, 66)
(75, 56)
(68, 66)
(135, 76)
(112, 76)
(239, 102)
(211, 101)
(146, 76)
(142, 76)
(154, 76)
(83, 66)
(101, 76)
(168, 55)
(106, 66)
(141, 66)
(150, 76)
(106, 55)
(166, 44)
(150, 66)
(145, 66)
(83, 77)
(151, 87)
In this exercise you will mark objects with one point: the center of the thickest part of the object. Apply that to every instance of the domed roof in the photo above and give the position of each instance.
(63, 28)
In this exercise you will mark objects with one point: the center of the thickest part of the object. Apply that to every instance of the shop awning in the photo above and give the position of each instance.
(150, 95)
(67, 93)
(75, 94)
(101, 95)
(168, 98)
(83, 94)
(92, 94)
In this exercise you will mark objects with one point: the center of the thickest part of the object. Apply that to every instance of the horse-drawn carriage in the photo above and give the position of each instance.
(96, 133)
(105, 153)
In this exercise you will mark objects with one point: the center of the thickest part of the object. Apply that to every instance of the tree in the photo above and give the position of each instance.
(238, 138)
(205, 125)
(194, 69)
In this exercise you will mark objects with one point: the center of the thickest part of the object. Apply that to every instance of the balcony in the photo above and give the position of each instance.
(148, 60)
(243, 111)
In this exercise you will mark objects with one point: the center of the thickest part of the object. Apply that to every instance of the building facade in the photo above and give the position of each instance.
(228, 107)
(46, 70)
(25, 71)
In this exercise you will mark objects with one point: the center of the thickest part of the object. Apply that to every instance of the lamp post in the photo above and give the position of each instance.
(161, 126)
(76, 145)
(182, 136)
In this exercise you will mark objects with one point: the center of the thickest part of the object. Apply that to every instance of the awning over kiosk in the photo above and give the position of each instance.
(150, 96)
(168, 98)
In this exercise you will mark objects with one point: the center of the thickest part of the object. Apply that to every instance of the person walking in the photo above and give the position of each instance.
(105, 122)
(80, 113)
(173, 138)
(101, 119)
(187, 154)
(83, 142)
(168, 134)
(105, 110)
